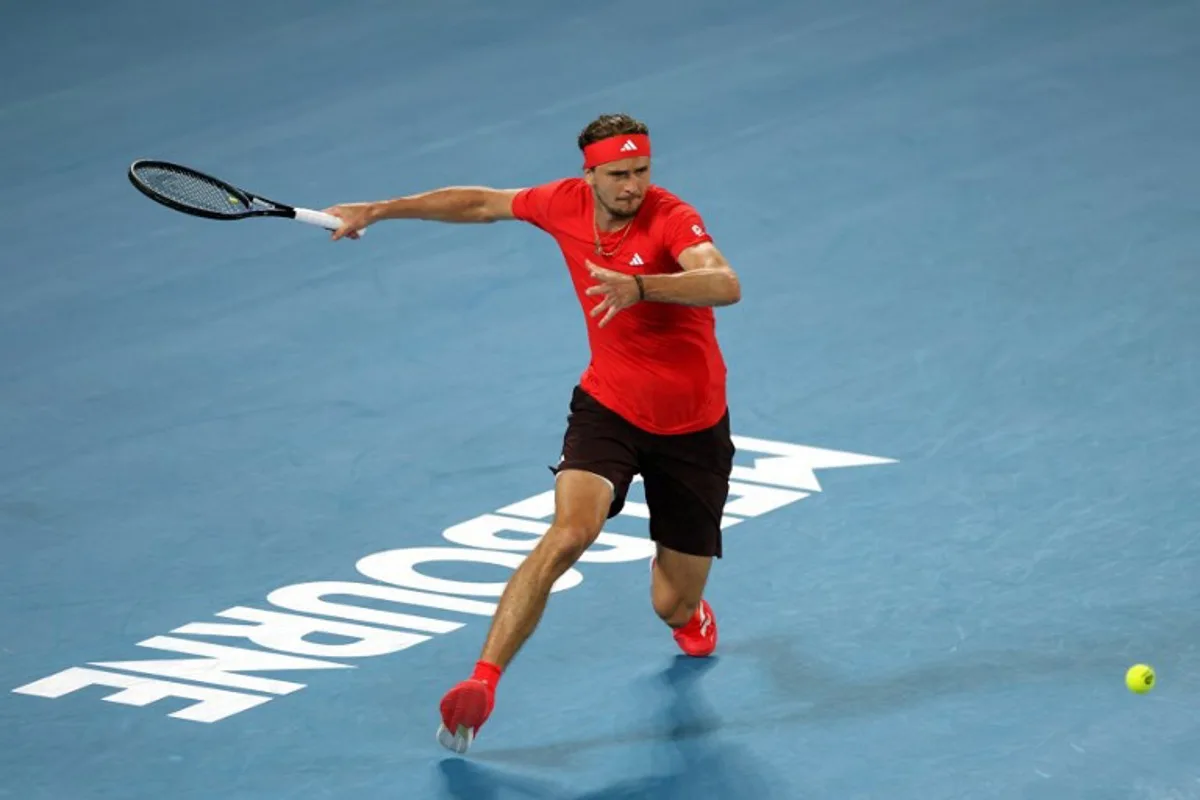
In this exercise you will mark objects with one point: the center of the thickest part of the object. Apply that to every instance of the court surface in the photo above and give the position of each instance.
(258, 490)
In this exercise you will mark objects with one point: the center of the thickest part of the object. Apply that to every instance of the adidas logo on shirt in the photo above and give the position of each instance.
(636, 261)
(629, 146)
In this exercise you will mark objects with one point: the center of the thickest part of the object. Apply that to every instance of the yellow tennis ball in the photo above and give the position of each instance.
(1140, 678)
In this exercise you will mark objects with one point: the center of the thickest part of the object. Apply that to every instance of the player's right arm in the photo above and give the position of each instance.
(461, 204)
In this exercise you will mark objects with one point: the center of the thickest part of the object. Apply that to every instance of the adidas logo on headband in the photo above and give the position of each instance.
(615, 148)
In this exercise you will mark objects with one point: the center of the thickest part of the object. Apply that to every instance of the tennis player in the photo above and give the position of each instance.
(652, 400)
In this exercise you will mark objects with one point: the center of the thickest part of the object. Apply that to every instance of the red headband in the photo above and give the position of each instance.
(615, 148)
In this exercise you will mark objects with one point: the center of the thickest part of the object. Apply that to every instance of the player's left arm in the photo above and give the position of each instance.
(706, 279)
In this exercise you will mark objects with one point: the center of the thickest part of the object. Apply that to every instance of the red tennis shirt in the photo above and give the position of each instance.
(658, 365)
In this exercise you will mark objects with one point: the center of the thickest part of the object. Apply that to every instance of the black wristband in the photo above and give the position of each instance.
(641, 287)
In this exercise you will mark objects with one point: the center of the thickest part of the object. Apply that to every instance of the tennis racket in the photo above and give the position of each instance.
(192, 192)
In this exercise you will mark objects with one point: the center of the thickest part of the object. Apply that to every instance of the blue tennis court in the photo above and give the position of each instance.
(259, 491)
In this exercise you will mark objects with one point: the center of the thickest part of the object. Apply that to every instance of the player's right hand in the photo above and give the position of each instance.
(356, 216)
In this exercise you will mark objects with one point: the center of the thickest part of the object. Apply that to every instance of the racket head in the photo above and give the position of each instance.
(191, 191)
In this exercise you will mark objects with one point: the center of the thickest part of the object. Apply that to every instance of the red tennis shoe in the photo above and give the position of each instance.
(698, 638)
(466, 707)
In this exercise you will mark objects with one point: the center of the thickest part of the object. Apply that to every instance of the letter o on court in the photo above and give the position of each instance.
(399, 568)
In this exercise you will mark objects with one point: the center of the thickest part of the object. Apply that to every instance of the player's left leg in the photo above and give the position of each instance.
(677, 582)
(687, 483)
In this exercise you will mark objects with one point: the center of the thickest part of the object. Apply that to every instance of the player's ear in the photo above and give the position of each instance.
(589, 175)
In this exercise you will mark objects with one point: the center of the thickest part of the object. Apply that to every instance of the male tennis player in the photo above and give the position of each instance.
(651, 401)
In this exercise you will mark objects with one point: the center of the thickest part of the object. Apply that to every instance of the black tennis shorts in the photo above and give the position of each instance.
(686, 475)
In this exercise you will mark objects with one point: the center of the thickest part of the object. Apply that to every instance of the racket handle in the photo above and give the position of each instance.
(320, 219)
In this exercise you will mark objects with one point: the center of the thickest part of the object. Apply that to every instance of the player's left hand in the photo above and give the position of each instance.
(619, 291)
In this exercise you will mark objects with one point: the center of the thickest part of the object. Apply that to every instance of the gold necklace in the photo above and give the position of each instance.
(596, 233)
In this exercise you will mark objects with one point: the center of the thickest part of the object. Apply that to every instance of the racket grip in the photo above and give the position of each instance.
(320, 219)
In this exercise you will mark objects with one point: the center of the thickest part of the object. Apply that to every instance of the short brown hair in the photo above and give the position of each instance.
(607, 125)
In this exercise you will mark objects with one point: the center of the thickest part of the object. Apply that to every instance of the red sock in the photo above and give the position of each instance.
(488, 673)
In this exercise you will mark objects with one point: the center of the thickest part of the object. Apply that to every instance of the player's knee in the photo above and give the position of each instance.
(564, 544)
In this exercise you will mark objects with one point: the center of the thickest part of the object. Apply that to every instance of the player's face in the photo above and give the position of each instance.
(620, 186)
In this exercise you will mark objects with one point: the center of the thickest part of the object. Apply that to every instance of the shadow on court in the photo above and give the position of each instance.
(807, 691)
(692, 764)
(817, 693)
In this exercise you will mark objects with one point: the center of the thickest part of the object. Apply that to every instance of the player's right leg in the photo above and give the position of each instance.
(582, 500)
(590, 486)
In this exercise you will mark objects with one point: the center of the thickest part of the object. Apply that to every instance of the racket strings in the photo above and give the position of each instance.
(191, 190)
